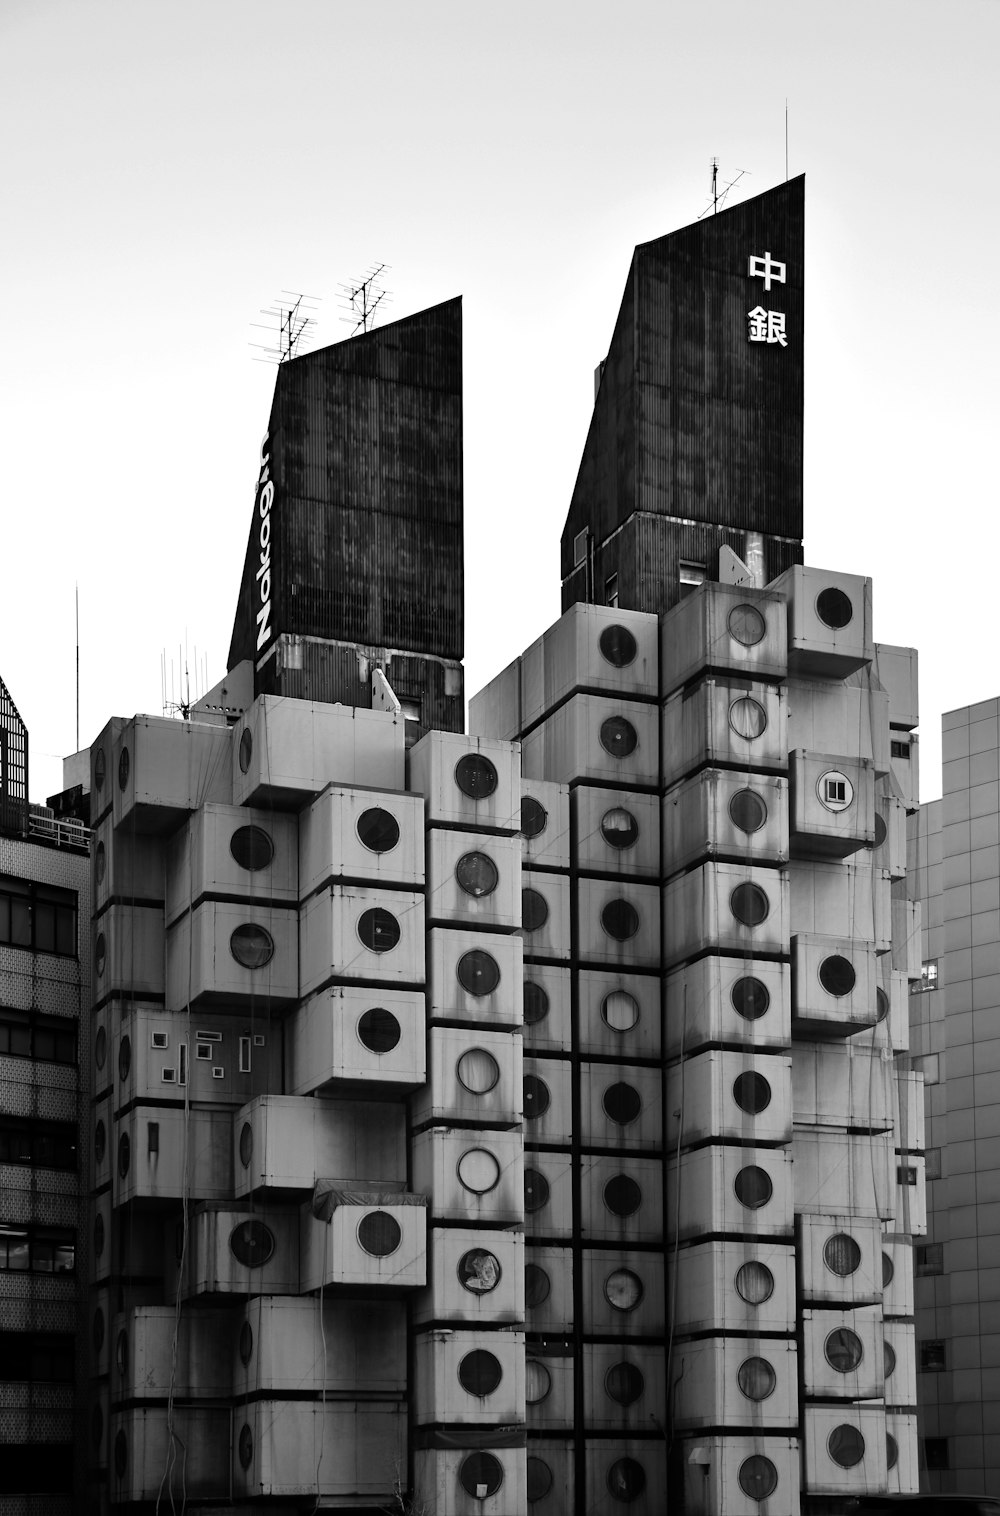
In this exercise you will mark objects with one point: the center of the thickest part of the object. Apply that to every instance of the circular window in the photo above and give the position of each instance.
(534, 910)
(100, 769)
(754, 1282)
(378, 930)
(100, 862)
(121, 1352)
(881, 1004)
(623, 1290)
(624, 1383)
(618, 737)
(842, 1255)
(246, 1144)
(539, 1479)
(881, 830)
(620, 920)
(835, 791)
(98, 1330)
(478, 972)
(379, 1234)
(622, 1195)
(536, 1190)
(378, 830)
(100, 954)
(756, 1378)
(477, 874)
(121, 1454)
(888, 1271)
(834, 608)
(746, 625)
(537, 1285)
(620, 1010)
(481, 1475)
(753, 1187)
(251, 945)
(537, 1381)
(749, 904)
(378, 1030)
(846, 1446)
(100, 1141)
(246, 749)
(476, 776)
(751, 1092)
(478, 1171)
(98, 1235)
(124, 1154)
(124, 1057)
(479, 1271)
(536, 1097)
(100, 1047)
(617, 645)
(536, 1003)
(888, 1359)
(621, 1103)
(626, 1479)
(843, 1350)
(758, 1477)
(97, 1425)
(123, 768)
(891, 1451)
(246, 1446)
(534, 817)
(246, 1343)
(747, 717)
(619, 828)
(252, 1243)
(750, 998)
(747, 810)
(478, 1071)
(252, 848)
(837, 976)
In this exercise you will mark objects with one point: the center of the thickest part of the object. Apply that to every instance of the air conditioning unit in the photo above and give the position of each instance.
(624, 1387)
(841, 1173)
(471, 1176)
(548, 1194)
(489, 1269)
(722, 813)
(547, 1003)
(233, 851)
(618, 1014)
(154, 1143)
(603, 739)
(829, 621)
(849, 719)
(473, 880)
(840, 1259)
(472, 782)
(477, 1480)
(900, 1359)
(544, 824)
(616, 832)
(621, 1199)
(368, 837)
(842, 1354)
(722, 1188)
(842, 902)
(545, 915)
(548, 1290)
(128, 953)
(140, 1463)
(731, 907)
(623, 1293)
(720, 723)
(833, 986)
(155, 1353)
(550, 1470)
(727, 1094)
(740, 1475)
(734, 628)
(745, 1286)
(841, 1085)
(549, 1388)
(473, 1077)
(633, 1470)
(468, 1377)
(902, 1453)
(233, 1250)
(273, 1349)
(618, 923)
(729, 1000)
(162, 769)
(284, 752)
(897, 1276)
(845, 1450)
(833, 809)
(356, 1034)
(474, 977)
(127, 865)
(286, 1142)
(347, 1451)
(596, 648)
(221, 951)
(737, 1382)
(621, 1106)
(548, 1100)
(907, 920)
(352, 933)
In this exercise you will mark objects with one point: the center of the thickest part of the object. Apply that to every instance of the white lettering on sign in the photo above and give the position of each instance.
(265, 499)
(766, 326)
(766, 268)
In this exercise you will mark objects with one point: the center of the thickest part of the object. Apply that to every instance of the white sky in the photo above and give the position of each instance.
(169, 166)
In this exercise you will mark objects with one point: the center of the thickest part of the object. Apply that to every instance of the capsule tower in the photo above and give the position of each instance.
(722, 1145)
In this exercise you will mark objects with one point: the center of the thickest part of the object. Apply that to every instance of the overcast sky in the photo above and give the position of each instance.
(168, 168)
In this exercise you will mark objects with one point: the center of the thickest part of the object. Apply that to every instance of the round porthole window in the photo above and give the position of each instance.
(246, 749)
(754, 1282)
(252, 848)
(622, 1195)
(121, 1454)
(121, 1352)
(478, 1171)
(123, 768)
(623, 1290)
(617, 645)
(534, 817)
(619, 828)
(620, 1010)
(378, 1030)
(536, 1190)
(124, 1057)
(481, 1475)
(536, 1003)
(476, 776)
(478, 1071)
(478, 972)
(751, 1092)
(618, 737)
(246, 1343)
(835, 791)
(888, 1271)
(626, 1479)
(378, 830)
(756, 1378)
(100, 1141)
(98, 1235)
(251, 945)
(753, 1187)
(749, 904)
(479, 1271)
(891, 1451)
(539, 1479)
(100, 769)
(245, 1446)
(747, 811)
(246, 1144)
(621, 1103)
(750, 998)
(846, 1446)
(837, 976)
(379, 1234)
(536, 1097)
(758, 1477)
(888, 1359)
(101, 1047)
(843, 1350)
(378, 930)
(881, 830)
(842, 1255)
(620, 919)
(881, 1004)
(624, 1383)
(477, 875)
(100, 954)
(834, 608)
(252, 1243)
(124, 1154)
(537, 1381)
(746, 625)
(534, 910)
(100, 862)
(747, 717)
(537, 1285)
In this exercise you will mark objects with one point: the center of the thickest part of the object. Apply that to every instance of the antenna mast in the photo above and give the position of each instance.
(363, 298)
(77, 749)
(717, 198)
(295, 330)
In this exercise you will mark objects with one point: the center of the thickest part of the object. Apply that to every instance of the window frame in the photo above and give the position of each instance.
(38, 917)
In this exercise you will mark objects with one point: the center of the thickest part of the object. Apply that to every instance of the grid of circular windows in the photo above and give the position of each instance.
(539, 1479)
(124, 1057)
(252, 1243)
(620, 919)
(747, 811)
(620, 1010)
(754, 1282)
(843, 1350)
(251, 945)
(623, 1290)
(753, 1187)
(246, 1343)
(378, 930)
(536, 1097)
(756, 1378)
(758, 1477)
(478, 1071)
(477, 874)
(534, 816)
(537, 1381)
(378, 1030)
(537, 1285)
(842, 1255)
(479, 1271)
(534, 910)
(478, 1171)
(622, 1103)
(246, 749)
(536, 1190)
(618, 646)
(750, 998)
(476, 776)
(624, 1383)
(618, 737)
(751, 1092)
(124, 766)
(846, 1446)
(252, 848)
(478, 972)
(481, 1475)
(536, 1003)
(100, 862)
(622, 1195)
(619, 828)
(746, 625)
(749, 904)
(626, 1479)
(246, 1144)
(834, 608)
(378, 830)
(837, 976)
(379, 1234)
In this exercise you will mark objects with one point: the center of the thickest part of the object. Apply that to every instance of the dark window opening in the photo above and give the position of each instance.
(37, 916)
(38, 1144)
(51, 1039)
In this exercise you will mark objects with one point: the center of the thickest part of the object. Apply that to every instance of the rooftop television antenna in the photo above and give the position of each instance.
(291, 327)
(362, 299)
(718, 196)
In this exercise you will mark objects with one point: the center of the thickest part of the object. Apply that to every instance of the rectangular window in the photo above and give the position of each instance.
(51, 1039)
(899, 749)
(244, 1055)
(37, 916)
(905, 1174)
(928, 977)
(929, 1259)
(611, 590)
(159, 1040)
(835, 791)
(37, 1357)
(580, 547)
(204, 1051)
(182, 1063)
(38, 1144)
(932, 1356)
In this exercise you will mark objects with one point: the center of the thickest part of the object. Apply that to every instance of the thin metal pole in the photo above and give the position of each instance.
(786, 138)
(77, 667)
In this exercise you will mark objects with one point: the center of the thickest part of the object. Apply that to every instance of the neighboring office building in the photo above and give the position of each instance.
(44, 1003)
